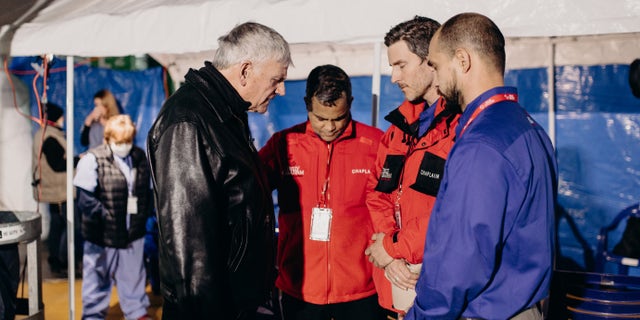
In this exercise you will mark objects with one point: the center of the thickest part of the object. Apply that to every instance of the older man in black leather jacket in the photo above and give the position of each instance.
(215, 211)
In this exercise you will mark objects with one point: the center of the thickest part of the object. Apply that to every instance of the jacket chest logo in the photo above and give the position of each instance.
(293, 171)
(360, 171)
(386, 174)
(429, 174)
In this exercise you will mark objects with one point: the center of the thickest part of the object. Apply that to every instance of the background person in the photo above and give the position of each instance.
(114, 197)
(105, 107)
(50, 182)
(214, 204)
(489, 247)
(320, 169)
(409, 164)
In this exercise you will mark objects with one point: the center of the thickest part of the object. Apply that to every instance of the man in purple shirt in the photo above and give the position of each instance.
(489, 247)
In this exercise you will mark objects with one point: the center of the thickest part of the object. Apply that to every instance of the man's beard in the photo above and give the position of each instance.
(453, 99)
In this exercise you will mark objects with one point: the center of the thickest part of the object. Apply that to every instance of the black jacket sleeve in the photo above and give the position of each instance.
(92, 212)
(88, 204)
(55, 154)
(84, 135)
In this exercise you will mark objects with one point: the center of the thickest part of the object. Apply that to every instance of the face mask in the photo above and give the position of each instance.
(120, 149)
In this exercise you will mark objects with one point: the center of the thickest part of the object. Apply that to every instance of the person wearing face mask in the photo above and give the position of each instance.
(114, 198)
(320, 169)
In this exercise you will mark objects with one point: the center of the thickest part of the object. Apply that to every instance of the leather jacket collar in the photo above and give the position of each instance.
(208, 79)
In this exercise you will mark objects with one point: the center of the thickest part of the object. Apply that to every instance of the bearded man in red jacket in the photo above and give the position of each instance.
(409, 165)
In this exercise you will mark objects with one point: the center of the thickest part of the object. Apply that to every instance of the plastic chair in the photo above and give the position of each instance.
(591, 296)
(603, 255)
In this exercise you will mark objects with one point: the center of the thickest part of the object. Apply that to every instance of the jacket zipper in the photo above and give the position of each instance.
(330, 153)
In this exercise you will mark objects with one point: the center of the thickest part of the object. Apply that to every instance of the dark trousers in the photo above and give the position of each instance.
(365, 309)
(9, 279)
(57, 242)
(195, 310)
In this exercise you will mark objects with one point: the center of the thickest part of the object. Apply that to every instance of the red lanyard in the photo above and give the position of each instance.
(324, 196)
(489, 102)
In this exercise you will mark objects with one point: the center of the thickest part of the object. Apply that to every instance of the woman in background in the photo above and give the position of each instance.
(105, 107)
(114, 197)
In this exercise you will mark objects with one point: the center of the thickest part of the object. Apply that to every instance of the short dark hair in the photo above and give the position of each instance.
(476, 32)
(416, 32)
(53, 112)
(327, 83)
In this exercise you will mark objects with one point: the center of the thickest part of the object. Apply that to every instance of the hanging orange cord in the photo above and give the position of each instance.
(45, 76)
(35, 91)
(40, 120)
(15, 99)
(44, 121)
(28, 116)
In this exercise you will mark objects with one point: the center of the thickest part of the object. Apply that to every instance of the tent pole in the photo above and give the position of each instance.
(375, 84)
(71, 256)
(551, 72)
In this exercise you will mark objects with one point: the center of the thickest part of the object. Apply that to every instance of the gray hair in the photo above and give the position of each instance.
(251, 41)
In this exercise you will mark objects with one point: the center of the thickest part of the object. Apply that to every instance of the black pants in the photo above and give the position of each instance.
(9, 279)
(365, 309)
(57, 242)
(196, 310)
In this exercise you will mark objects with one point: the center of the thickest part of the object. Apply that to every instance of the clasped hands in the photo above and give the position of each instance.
(395, 270)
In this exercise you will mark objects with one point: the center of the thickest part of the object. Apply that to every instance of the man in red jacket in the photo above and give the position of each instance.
(320, 168)
(402, 189)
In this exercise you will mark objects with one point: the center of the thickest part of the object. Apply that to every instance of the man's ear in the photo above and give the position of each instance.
(463, 59)
(245, 69)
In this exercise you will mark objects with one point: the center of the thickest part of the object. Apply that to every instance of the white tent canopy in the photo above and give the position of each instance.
(181, 34)
(124, 27)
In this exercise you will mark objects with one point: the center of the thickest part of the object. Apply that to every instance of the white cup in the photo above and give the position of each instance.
(403, 299)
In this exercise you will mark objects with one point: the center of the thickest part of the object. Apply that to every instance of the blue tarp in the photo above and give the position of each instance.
(597, 132)
(598, 148)
(140, 94)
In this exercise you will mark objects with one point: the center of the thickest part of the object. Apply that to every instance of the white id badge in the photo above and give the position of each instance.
(320, 224)
(132, 205)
